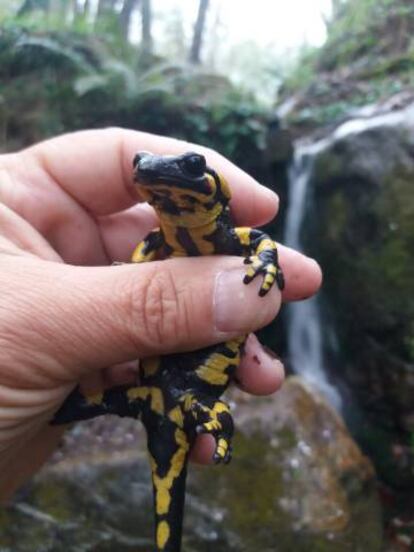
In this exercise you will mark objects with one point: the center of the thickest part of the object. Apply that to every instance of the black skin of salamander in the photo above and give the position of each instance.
(178, 395)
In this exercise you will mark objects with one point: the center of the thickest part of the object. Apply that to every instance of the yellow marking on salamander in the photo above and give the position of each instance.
(197, 234)
(198, 218)
(157, 401)
(214, 425)
(243, 233)
(163, 534)
(138, 255)
(223, 444)
(164, 484)
(150, 366)
(188, 401)
(265, 244)
(222, 447)
(214, 370)
(225, 188)
(176, 416)
(94, 398)
(250, 272)
(234, 344)
(220, 407)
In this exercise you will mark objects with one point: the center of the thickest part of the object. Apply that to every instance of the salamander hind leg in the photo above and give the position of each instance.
(213, 416)
(122, 401)
(79, 406)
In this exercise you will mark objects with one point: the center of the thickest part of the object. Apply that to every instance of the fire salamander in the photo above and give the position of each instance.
(179, 394)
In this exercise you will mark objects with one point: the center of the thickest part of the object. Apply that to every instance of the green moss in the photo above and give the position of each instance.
(55, 499)
(249, 499)
(54, 82)
(360, 27)
(302, 73)
(368, 41)
(254, 495)
(339, 209)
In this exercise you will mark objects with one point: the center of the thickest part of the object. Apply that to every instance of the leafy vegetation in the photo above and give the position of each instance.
(367, 27)
(367, 58)
(61, 80)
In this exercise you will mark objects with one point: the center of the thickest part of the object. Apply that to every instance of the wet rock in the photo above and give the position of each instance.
(279, 143)
(297, 482)
(361, 228)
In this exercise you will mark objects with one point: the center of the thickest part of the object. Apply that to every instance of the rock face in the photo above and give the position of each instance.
(297, 482)
(361, 228)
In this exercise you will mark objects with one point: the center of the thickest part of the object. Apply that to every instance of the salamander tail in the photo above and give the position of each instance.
(168, 448)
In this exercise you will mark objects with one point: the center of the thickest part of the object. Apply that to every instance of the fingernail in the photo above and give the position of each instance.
(238, 307)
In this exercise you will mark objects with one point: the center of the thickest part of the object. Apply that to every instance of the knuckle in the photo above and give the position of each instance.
(156, 314)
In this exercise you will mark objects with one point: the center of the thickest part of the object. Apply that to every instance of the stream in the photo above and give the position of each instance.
(305, 334)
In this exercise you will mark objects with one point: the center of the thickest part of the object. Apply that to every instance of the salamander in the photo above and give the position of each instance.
(179, 394)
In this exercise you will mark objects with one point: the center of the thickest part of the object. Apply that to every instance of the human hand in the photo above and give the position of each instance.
(68, 206)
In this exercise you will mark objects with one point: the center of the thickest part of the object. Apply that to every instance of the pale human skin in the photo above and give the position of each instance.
(68, 209)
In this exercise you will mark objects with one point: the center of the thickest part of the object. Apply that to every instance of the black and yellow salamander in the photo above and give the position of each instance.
(179, 395)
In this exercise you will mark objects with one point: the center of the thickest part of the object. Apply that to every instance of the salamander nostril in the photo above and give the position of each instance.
(136, 160)
(138, 157)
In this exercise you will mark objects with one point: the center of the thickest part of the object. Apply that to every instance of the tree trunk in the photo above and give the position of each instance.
(214, 38)
(146, 26)
(125, 16)
(31, 5)
(57, 9)
(105, 7)
(86, 7)
(77, 9)
(198, 32)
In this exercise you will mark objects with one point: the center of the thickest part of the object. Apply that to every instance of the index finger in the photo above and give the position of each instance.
(95, 168)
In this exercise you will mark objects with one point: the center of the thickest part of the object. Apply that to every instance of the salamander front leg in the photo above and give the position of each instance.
(147, 250)
(262, 256)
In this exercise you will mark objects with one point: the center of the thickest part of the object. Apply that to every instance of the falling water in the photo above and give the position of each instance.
(304, 327)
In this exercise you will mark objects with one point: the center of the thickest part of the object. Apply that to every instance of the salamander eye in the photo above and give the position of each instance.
(195, 164)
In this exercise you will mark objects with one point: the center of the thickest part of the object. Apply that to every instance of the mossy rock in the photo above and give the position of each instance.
(361, 228)
(297, 482)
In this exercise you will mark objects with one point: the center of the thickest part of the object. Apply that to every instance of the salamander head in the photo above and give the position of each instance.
(179, 185)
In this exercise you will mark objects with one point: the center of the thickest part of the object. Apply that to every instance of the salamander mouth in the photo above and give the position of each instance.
(152, 178)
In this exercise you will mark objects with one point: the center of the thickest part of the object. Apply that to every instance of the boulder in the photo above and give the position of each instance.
(297, 482)
(361, 227)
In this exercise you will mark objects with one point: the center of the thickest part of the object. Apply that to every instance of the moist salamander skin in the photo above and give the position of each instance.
(179, 394)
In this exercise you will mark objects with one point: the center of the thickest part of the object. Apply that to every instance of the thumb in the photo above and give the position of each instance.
(84, 318)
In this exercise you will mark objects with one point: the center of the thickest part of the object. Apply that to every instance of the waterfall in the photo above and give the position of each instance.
(305, 333)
